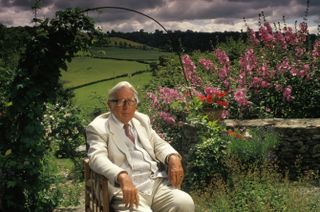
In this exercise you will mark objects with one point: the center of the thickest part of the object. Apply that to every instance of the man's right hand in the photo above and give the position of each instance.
(130, 192)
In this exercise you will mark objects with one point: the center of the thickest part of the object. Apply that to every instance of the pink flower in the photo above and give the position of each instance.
(290, 36)
(278, 87)
(299, 51)
(303, 27)
(266, 34)
(281, 39)
(256, 81)
(222, 57)
(240, 97)
(226, 84)
(316, 49)
(154, 99)
(287, 94)
(304, 72)
(283, 66)
(248, 62)
(265, 84)
(206, 63)
(167, 117)
(189, 69)
(211, 90)
(225, 114)
(294, 72)
(223, 72)
(168, 95)
(253, 37)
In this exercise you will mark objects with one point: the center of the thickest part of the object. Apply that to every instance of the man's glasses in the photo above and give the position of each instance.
(122, 102)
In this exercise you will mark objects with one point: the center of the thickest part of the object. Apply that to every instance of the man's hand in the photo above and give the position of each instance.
(175, 171)
(130, 192)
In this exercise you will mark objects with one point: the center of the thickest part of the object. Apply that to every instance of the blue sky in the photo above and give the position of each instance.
(196, 15)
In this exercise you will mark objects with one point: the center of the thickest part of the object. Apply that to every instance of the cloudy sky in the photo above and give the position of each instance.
(196, 15)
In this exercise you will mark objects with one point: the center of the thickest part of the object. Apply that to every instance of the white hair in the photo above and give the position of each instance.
(123, 84)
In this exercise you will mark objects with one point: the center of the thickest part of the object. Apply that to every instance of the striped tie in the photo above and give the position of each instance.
(128, 132)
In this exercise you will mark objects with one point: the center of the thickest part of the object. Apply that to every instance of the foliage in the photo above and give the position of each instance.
(5, 80)
(71, 187)
(190, 41)
(23, 147)
(253, 179)
(64, 129)
(274, 74)
(12, 44)
(259, 188)
(206, 156)
(253, 145)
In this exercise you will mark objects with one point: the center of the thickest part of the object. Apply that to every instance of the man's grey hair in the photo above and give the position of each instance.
(123, 84)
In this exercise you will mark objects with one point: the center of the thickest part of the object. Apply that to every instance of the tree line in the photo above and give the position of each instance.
(179, 40)
(13, 40)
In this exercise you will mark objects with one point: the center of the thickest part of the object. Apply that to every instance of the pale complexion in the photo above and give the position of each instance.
(124, 114)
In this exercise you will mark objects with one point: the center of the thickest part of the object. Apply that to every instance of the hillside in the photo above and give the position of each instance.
(91, 76)
(122, 42)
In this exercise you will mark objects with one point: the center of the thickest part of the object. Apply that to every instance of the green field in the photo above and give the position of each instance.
(84, 70)
(129, 54)
(90, 97)
(102, 74)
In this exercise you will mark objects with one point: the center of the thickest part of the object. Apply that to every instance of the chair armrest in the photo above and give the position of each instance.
(96, 190)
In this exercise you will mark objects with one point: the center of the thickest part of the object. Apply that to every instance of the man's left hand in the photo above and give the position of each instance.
(175, 171)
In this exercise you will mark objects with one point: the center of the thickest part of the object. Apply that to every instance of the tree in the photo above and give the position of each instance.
(23, 180)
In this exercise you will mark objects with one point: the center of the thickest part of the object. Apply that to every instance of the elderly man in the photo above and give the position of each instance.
(124, 148)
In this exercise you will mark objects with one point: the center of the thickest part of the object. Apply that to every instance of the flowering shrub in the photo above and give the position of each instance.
(278, 75)
(213, 98)
(275, 75)
(63, 129)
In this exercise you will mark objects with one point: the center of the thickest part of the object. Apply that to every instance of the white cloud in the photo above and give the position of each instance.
(195, 15)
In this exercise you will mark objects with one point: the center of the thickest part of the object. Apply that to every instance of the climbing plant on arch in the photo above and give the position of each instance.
(23, 180)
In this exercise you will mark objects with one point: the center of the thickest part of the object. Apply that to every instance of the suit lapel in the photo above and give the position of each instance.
(118, 138)
(143, 136)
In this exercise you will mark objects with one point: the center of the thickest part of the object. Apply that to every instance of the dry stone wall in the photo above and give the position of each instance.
(300, 140)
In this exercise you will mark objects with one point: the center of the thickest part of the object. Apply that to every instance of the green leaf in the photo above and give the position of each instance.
(11, 184)
(7, 104)
(8, 152)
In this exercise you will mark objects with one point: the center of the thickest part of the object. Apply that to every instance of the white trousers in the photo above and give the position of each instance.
(164, 198)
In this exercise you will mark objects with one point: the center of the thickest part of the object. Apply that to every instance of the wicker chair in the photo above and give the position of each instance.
(96, 190)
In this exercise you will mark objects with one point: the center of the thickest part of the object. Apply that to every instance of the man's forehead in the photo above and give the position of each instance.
(124, 91)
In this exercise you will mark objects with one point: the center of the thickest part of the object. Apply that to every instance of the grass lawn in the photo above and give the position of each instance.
(68, 181)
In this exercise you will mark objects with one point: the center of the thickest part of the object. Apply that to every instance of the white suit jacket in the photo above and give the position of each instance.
(108, 151)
